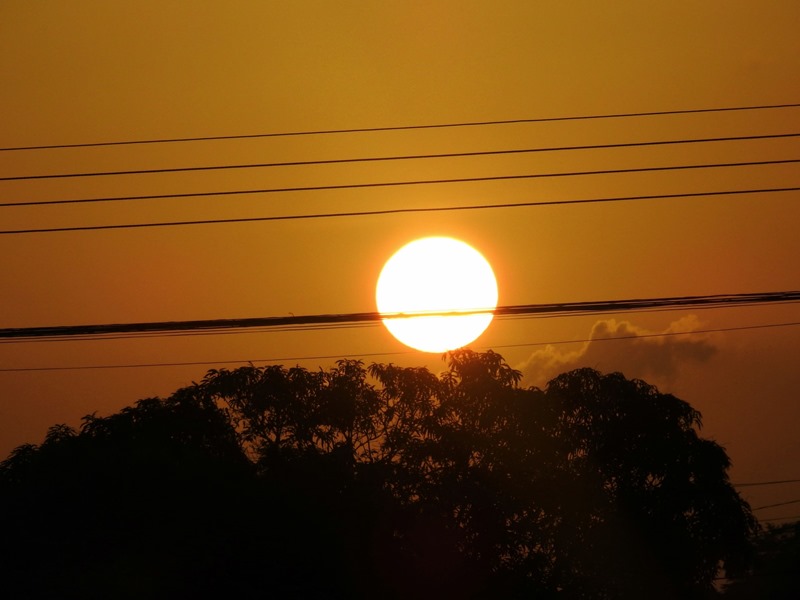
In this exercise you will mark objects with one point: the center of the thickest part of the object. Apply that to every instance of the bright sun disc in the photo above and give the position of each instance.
(436, 274)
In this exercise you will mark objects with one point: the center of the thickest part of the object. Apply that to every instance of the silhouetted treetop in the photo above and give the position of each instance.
(360, 480)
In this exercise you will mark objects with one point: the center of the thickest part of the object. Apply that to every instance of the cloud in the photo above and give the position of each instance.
(655, 356)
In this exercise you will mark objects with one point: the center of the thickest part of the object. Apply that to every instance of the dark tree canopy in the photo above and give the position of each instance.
(378, 481)
(774, 572)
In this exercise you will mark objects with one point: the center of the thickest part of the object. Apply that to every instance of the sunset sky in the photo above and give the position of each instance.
(84, 72)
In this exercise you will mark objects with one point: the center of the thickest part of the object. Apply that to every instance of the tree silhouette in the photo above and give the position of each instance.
(661, 513)
(362, 481)
(774, 572)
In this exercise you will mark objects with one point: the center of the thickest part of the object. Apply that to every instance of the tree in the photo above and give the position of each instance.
(342, 482)
(125, 507)
(661, 511)
(774, 572)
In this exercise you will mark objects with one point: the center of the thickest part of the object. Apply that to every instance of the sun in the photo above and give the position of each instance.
(436, 275)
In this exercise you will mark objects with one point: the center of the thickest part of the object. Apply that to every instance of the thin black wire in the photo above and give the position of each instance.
(203, 363)
(168, 334)
(353, 325)
(349, 186)
(371, 354)
(757, 483)
(574, 313)
(403, 183)
(82, 332)
(654, 335)
(407, 127)
(789, 518)
(394, 211)
(795, 501)
(366, 159)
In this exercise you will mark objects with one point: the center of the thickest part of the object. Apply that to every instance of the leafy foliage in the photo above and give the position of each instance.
(774, 571)
(273, 481)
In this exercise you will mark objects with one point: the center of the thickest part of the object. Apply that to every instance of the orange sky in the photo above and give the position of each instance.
(98, 71)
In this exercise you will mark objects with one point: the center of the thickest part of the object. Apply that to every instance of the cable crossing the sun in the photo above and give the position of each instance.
(350, 319)
(406, 352)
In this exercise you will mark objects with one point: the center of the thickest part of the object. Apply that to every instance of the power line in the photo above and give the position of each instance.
(766, 483)
(201, 363)
(350, 186)
(372, 354)
(216, 332)
(402, 183)
(394, 211)
(407, 127)
(257, 330)
(349, 319)
(654, 335)
(789, 518)
(795, 501)
(304, 163)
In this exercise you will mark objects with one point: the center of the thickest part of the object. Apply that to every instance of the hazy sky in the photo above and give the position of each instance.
(77, 72)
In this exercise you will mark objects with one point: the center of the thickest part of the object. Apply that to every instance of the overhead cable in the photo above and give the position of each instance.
(662, 334)
(369, 324)
(777, 504)
(348, 319)
(369, 159)
(787, 518)
(758, 483)
(394, 211)
(408, 127)
(379, 184)
(375, 354)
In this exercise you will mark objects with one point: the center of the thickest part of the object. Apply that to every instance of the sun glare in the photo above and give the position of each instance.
(436, 275)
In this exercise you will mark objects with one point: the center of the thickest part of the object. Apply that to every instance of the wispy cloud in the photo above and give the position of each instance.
(655, 358)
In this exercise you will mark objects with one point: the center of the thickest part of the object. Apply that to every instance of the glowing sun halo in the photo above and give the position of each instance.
(436, 274)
